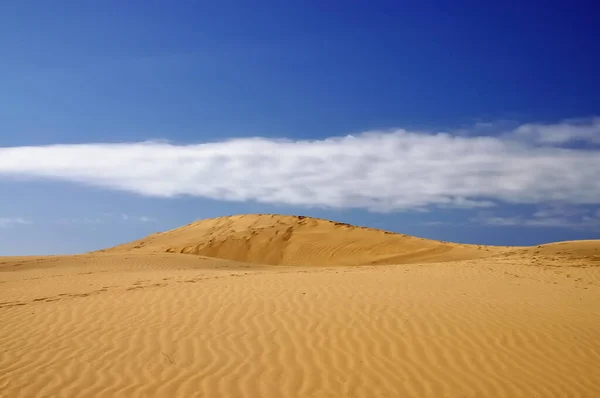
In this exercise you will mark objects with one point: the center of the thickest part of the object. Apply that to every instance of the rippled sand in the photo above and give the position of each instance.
(520, 322)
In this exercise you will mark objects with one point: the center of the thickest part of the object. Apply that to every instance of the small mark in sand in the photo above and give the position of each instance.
(169, 358)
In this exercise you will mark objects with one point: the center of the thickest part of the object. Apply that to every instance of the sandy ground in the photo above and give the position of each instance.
(516, 322)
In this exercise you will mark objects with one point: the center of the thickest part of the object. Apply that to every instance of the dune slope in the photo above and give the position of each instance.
(297, 240)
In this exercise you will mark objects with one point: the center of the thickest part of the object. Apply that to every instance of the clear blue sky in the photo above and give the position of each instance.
(515, 87)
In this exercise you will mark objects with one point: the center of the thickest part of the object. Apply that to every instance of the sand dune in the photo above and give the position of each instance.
(144, 322)
(296, 240)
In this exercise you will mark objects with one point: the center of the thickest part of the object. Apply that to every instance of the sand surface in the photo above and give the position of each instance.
(445, 321)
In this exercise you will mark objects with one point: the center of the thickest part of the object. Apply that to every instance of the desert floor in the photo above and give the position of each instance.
(178, 325)
(520, 323)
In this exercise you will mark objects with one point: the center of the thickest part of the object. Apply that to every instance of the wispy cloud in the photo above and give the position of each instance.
(106, 218)
(432, 223)
(378, 170)
(560, 216)
(587, 130)
(82, 220)
(6, 222)
(127, 217)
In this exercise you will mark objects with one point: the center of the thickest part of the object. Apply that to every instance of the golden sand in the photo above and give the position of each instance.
(284, 306)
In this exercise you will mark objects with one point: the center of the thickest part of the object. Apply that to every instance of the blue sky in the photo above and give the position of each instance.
(460, 121)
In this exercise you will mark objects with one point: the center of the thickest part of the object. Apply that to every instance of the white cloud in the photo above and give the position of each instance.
(380, 171)
(6, 222)
(560, 133)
